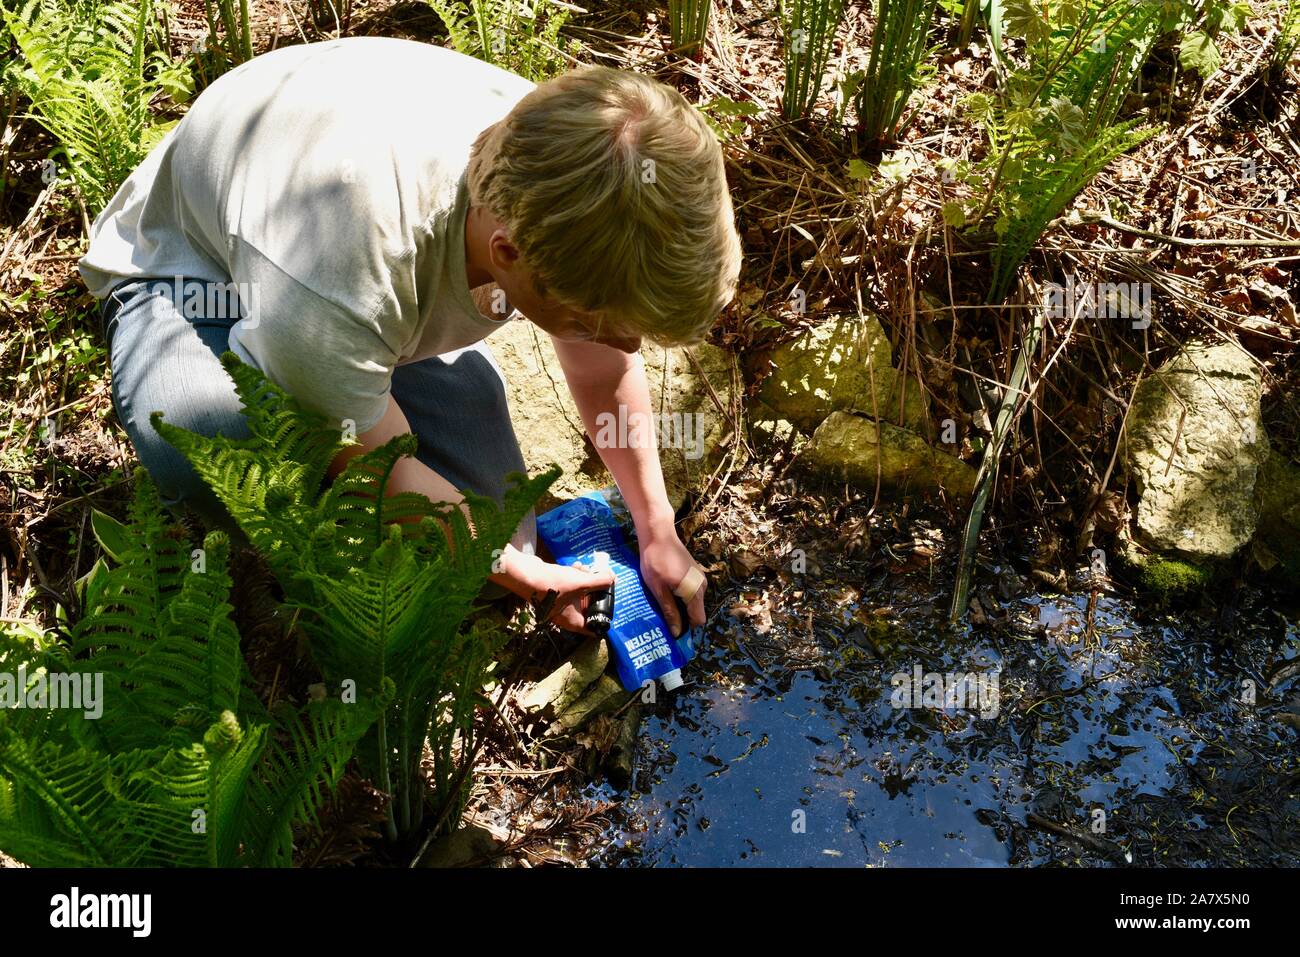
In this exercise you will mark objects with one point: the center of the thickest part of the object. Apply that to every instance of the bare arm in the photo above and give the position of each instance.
(601, 379)
(526, 575)
(409, 474)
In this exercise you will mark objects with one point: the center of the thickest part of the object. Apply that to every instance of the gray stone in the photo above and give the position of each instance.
(561, 688)
(604, 697)
(854, 447)
(1194, 444)
(471, 846)
(550, 430)
(843, 363)
(1278, 495)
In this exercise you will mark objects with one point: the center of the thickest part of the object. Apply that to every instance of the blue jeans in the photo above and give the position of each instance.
(163, 360)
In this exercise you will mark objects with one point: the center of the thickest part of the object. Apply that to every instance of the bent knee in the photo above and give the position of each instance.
(207, 409)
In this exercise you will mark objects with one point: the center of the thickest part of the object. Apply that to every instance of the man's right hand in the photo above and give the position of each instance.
(531, 577)
(526, 575)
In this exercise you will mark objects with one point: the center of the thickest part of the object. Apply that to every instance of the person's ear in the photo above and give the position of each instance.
(501, 251)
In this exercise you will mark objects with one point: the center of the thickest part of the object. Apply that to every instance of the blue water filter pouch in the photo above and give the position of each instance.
(639, 639)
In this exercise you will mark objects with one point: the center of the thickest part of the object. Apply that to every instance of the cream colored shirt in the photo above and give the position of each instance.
(327, 181)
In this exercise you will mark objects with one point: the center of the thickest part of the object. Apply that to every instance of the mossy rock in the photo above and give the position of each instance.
(1161, 578)
(849, 447)
(844, 363)
(1169, 578)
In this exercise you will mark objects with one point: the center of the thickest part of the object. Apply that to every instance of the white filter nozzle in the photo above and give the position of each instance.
(673, 680)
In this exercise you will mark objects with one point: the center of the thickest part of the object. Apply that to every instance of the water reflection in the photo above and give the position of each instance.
(787, 751)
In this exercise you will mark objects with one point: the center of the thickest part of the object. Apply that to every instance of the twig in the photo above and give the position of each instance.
(1090, 218)
(988, 468)
(1107, 849)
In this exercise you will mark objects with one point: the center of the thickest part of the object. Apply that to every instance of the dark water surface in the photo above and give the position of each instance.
(1137, 739)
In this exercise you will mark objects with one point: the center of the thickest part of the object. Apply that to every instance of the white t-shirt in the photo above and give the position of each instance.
(327, 182)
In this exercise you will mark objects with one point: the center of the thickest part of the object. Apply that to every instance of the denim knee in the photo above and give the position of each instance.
(163, 361)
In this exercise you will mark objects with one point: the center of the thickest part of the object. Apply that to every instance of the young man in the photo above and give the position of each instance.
(355, 217)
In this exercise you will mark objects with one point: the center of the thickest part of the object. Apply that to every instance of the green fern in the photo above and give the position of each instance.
(294, 779)
(520, 35)
(688, 25)
(183, 767)
(232, 44)
(898, 47)
(1038, 185)
(385, 581)
(1287, 42)
(808, 29)
(87, 70)
(1054, 125)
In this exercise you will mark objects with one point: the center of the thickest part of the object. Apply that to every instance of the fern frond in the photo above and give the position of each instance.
(385, 579)
(1118, 39)
(84, 69)
(267, 497)
(293, 783)
(77, 808)
(169, 774)
(1055, 124)
(160, 633)
(1044, 188)
(233, 755)
(517, 35)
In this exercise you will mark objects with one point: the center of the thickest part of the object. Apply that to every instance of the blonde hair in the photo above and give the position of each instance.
(612, 187)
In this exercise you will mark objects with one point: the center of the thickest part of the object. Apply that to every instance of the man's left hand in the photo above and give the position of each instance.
(665, 562)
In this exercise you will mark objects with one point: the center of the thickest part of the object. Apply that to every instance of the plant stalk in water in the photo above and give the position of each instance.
(984, 478)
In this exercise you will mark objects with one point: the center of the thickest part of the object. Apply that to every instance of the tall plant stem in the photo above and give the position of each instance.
(688, 23)
(246, 35)
(988, 469)
(406, 778)
(385, 778)
(970, 11)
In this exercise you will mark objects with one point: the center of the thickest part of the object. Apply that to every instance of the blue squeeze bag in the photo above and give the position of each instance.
(643, 647)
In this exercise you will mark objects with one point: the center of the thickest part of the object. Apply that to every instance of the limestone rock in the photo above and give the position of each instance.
(832, 367)
(604, 697)
(1194, 444)
(1278, 495)
(561, 688)
(849, 446)
(768, 429)
(468, 847)
(688, 423)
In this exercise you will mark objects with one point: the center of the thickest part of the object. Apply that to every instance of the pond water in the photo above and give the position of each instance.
(1133, 740)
